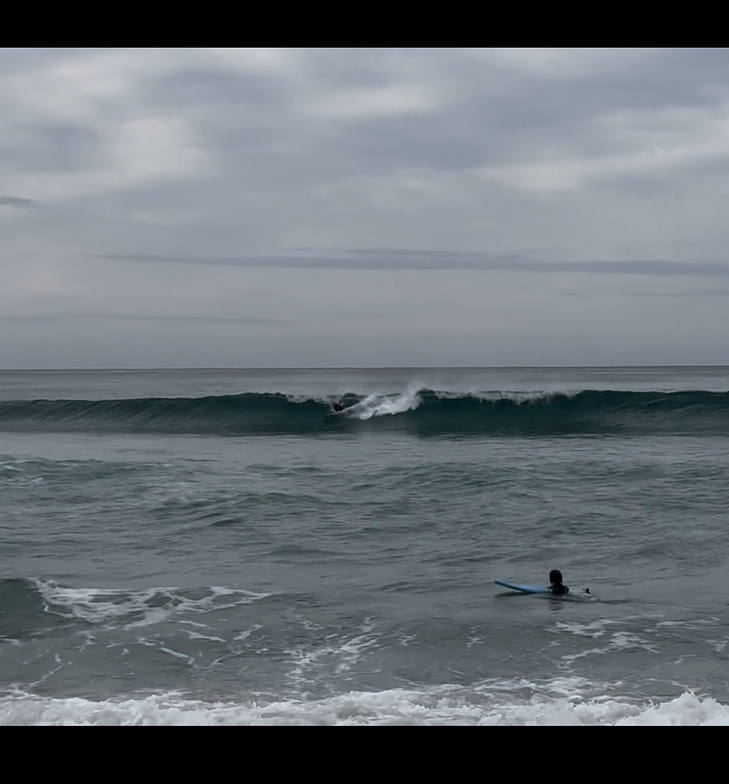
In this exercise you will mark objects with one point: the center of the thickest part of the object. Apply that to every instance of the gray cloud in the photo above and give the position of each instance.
(257, 322)
(16, 201)
(418, 261)
(196, 185)
(54, 147)
(680, 294)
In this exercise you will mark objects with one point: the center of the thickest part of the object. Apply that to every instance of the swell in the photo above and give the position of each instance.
(419, 412)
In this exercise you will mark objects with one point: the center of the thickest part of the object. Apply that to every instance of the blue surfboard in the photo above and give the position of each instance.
(522, 588)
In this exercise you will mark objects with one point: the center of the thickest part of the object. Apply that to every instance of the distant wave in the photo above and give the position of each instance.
(420, 412)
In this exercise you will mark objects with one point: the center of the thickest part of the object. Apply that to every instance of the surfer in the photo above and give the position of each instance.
(337, 407)
(555, 582)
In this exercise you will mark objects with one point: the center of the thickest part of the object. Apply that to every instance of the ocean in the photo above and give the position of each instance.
(221, 547)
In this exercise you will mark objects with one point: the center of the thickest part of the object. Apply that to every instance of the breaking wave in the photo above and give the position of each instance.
(420, 412)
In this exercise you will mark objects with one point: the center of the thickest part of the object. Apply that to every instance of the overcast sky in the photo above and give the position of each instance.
(363, 207)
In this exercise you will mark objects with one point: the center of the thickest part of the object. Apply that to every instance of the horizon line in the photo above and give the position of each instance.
(356, 367)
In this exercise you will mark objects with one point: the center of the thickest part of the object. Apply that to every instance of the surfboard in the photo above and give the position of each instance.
(335, 414)
(522, 588)
(575, 595)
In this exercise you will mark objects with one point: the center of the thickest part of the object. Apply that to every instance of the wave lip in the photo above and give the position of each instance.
(416, 411)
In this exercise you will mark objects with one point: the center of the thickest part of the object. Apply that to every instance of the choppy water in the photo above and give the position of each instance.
(216, 547)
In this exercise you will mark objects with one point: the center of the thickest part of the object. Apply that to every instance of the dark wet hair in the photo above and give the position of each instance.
(555, 577)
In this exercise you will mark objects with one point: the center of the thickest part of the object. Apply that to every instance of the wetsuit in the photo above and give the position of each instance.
(559, 588)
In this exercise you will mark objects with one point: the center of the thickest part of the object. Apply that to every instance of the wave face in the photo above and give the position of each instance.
(420, 412)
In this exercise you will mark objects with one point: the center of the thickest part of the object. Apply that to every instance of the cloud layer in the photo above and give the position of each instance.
(218, 207)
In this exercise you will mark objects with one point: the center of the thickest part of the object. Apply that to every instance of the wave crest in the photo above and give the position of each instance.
(416, 411)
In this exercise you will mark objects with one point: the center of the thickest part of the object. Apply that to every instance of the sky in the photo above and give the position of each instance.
(363, 207)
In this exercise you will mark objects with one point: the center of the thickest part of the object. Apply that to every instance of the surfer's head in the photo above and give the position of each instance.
(555, 577)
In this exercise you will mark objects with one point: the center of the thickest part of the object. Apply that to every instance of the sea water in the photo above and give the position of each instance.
(220, 547)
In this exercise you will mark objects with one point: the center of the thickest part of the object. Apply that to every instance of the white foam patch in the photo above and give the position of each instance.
(376, 405)
(530, 396)
(596, 628)
(106, 605)
(445, 705)
(343, 653)
(387, 404)
(247, 633)
(611, 640)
